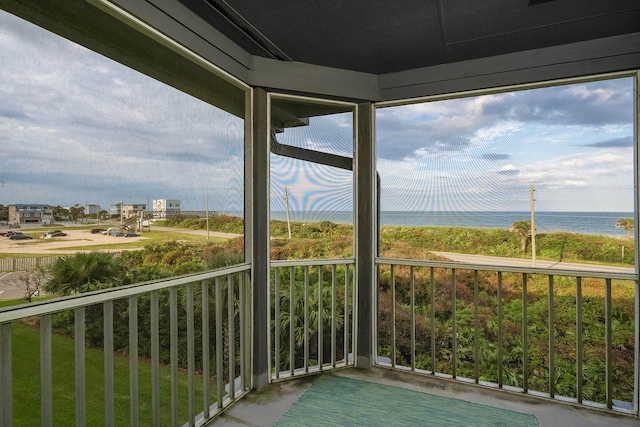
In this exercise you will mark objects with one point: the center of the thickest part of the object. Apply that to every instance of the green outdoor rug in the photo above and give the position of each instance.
(337, 401)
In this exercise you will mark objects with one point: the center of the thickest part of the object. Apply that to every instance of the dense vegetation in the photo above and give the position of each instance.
(327, 240)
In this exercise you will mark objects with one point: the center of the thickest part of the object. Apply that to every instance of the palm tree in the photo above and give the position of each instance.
(84, 272)
(627, 224)
(522, 229)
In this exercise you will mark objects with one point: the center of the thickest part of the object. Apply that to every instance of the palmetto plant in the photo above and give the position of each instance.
(84, 272)
(319, 317)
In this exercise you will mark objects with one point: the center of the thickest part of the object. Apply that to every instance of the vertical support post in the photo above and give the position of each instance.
(579, 379)
(173, 352)
(334, 314)
(413, 317)
(476, 329)
(260, 235)
(206, 377)
(219, 346)
(134, 417)
(432, 295)
(6, 382)
(552, 365)
(454, 331)
(231, 315)
(80, 371)
(292, 321)
(191, 356)
(276, 329)
(636, 232)
(305, 304)
(46, 375)
(365, 236)
(109, 372)
(320, 319)
(500, 333)
(608, 338)
(393, 316)
(155, 359)
(525, 336)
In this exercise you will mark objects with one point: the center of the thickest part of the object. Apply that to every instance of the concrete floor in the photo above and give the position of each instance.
(264, 408)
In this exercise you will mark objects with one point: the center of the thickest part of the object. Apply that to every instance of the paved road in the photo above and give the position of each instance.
(8, 288)
(517, 262)
(198, 232)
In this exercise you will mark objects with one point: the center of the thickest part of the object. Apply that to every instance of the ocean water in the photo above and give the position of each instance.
(602, 223)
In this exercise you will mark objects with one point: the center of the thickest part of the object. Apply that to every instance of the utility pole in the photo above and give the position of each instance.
(286, 201)
(206, 197)
(533, 226)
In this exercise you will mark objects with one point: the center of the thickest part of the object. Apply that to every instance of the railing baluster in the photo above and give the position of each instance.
(306, 319)
(525, 336)
(393, 316)
(79, 366)
(454, 334)
(552, 369)
(109, 393)
(579, 377)
(333, 316)
(245, 335)
(191, 357)
(276, 322)
(155, 360)
(173, 351)
(608, 344)
(320, 318)
(231, 295)
(206, 376)
(219, 353)
(292, 320)
(500, 334)
(6, 381)
(133, 361)
(46, 365)
(346, 315)
(433, 321)
(476, 329)
(412, 290)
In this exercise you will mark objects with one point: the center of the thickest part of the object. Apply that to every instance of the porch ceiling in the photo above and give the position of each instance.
(382, 37)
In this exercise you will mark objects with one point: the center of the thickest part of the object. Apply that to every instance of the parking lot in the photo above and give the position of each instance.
(56, 245)
(46, 247)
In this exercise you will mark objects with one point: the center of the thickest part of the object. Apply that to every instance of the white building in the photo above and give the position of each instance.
(90, 209)
(165, 207)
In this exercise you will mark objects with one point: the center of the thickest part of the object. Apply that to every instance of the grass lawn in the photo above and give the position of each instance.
(151, 238)
(26, 384)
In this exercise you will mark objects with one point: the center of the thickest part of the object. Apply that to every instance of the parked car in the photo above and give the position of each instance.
(131, 235)
(97, 230)
(19, 236)
(8, 233)
(56, 233)
(111, 231)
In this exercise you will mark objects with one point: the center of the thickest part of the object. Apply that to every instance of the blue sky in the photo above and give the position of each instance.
(76, 127)
(573, 143)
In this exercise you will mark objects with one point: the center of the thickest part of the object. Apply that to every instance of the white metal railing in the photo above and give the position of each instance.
(481, 324)
(311, 316)
(206, 333)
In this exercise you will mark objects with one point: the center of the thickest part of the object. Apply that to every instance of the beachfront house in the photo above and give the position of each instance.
(277, 66)
(163, 208)
(30, 213)
(130, 210)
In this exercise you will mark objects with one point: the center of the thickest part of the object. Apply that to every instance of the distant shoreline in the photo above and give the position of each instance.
(593, 223)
